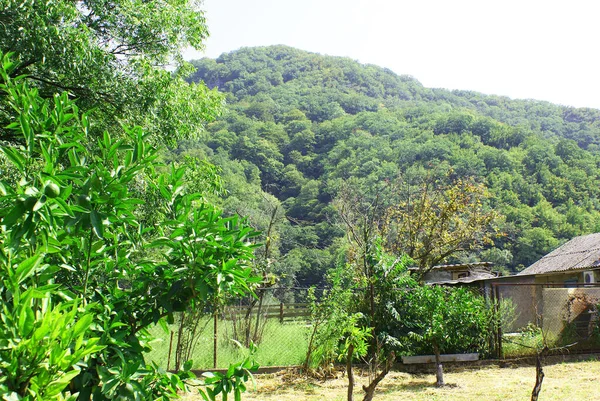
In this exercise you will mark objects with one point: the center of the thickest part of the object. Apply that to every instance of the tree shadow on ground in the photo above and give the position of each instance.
(291, 383)
(417, 383)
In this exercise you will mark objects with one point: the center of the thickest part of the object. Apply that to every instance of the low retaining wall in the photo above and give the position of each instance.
(408, 360)
(448, 366)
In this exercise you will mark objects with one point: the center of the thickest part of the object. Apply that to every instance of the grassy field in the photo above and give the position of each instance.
(283, 345)
(565, 381)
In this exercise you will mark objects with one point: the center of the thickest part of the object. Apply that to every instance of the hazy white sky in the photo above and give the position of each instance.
(546, 50)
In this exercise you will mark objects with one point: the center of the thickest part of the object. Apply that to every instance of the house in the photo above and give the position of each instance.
(561, 289)
(574, 263)
(556, 291)
(457, 273)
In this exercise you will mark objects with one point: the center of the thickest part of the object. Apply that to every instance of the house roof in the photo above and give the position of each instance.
(578, 254)
(476, 275)
(458, 266)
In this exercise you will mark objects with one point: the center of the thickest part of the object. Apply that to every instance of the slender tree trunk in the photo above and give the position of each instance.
(370, 389)
(310, 345)
(439, 369)
(261, 290)
(215, 337)
(258, 312)
(539, 374)
(178, 361)
(350, 372)
(247, 326)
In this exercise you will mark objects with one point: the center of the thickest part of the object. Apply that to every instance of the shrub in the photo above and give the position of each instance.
(87, 268)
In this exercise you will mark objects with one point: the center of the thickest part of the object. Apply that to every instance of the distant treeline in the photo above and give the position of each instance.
(298, 123)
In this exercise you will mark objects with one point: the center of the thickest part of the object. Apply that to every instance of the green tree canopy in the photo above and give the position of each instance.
(306, 122)
(110, 56)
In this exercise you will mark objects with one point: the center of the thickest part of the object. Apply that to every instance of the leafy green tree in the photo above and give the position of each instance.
(110, 57)
(447, 319)
(262, 153)
(78, 256)
(375, 277)
(524, 152)
(433, 220)
(535, 243)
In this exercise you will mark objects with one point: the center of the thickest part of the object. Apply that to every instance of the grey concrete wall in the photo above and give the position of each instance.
(560, 278)
(527, 303)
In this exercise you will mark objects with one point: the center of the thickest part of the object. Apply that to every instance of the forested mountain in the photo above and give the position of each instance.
(297, 123)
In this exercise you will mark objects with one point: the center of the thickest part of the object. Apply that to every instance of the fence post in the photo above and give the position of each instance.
(498, 320)
(170, 349)
(281, 312)
(215, 338)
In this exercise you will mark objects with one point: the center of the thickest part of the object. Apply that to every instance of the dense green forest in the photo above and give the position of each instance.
(297, 124)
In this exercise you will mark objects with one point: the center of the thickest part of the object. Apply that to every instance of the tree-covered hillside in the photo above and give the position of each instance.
(299, 123)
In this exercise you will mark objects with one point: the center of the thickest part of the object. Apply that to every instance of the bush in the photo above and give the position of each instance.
(86, 267)
(457, 320)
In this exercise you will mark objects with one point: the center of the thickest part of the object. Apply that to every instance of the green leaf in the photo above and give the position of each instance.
(15, 214)
(27, 267)
(231, 370)
(26, 321)
(82, 325)
(218, 388)
(15, 157)
(64, 207)
(55, 387)
(97, 224)
(26, 129)
(38, 205)
(163, 324)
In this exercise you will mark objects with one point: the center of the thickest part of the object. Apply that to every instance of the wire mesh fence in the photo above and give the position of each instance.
(526, 317)
(562, 318)
(277, 321)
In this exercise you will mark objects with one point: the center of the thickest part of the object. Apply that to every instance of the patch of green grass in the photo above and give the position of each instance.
(516, 345)
(282, 345)
(527, 342)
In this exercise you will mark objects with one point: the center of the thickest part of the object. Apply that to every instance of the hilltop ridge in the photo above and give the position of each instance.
(298, 122)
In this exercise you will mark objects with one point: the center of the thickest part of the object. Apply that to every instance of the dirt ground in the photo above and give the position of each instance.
(571, 381)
